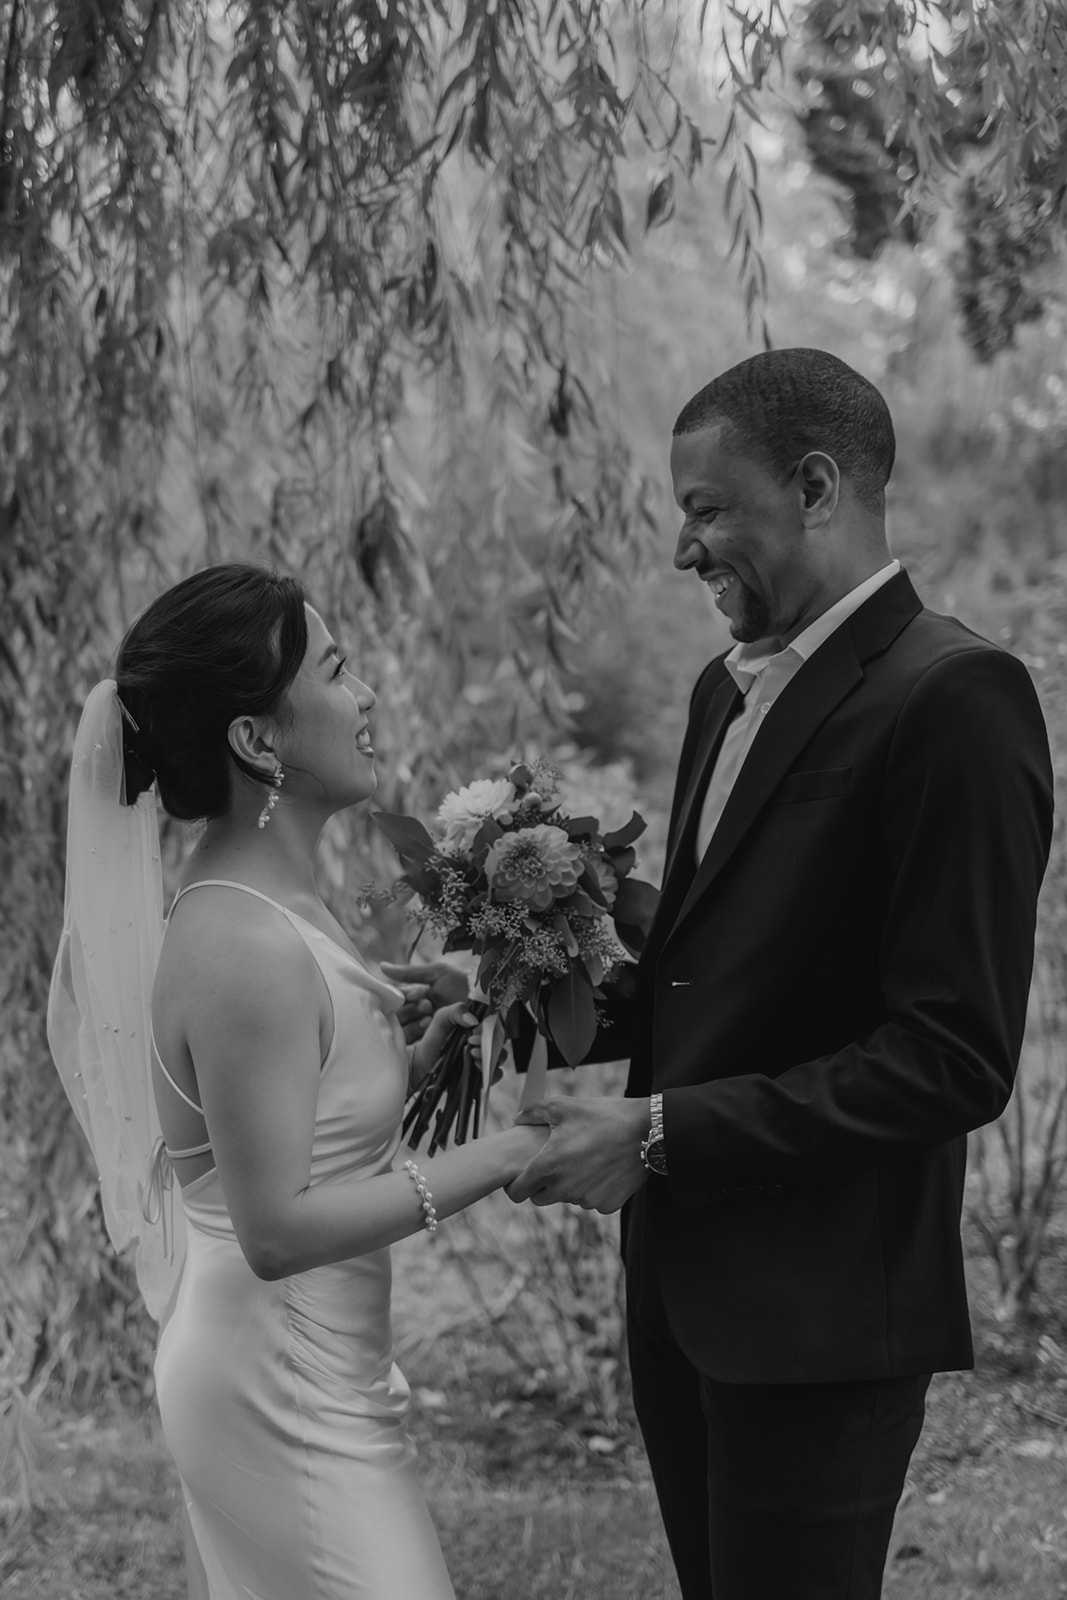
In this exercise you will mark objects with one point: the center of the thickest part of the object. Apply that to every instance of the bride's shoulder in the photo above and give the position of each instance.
(222, 937)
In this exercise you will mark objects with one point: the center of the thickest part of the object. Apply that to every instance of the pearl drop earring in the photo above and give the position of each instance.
(272, 799)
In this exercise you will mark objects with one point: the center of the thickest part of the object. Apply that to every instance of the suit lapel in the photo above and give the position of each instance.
(698, 756)
(804, 704)
(724, 702)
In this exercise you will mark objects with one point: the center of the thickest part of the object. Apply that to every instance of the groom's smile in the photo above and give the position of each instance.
(717, 582)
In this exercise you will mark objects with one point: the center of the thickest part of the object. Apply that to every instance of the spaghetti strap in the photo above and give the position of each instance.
(390, 996)
(178, 1090)
(193, 1150)
(228, 883)
(221, 883)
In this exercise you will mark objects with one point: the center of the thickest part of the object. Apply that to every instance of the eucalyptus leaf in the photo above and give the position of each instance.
(570, 1015)
(626, 834)
(408, 837)
(582, 828)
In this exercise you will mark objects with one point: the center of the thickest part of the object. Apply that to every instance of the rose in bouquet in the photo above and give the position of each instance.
(544, 900)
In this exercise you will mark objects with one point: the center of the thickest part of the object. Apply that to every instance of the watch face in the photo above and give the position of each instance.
(656, 1156)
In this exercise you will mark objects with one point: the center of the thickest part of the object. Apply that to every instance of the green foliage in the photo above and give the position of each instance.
(1001, 265)
(238, 255)
(1009, 203)
(330, 285)
(844, 118)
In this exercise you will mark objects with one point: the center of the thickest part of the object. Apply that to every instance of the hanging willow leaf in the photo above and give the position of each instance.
(660, 206)
(264, 203)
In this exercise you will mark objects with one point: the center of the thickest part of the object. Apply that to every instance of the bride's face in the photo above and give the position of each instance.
(326, 744)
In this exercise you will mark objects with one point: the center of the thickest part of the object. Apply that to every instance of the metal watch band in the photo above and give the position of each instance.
(653, 1151)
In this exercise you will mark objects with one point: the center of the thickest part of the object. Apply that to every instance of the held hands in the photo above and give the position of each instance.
(592, 1157)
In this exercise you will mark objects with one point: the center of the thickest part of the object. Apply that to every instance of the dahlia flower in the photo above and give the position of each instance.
(534, 865)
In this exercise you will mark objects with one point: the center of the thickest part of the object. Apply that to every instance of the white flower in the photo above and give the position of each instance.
(462, 814)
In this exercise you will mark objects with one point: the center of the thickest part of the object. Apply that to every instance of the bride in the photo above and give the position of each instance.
(261, 1052)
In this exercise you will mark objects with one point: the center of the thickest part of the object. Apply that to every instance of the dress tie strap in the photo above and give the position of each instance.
(157, 1207)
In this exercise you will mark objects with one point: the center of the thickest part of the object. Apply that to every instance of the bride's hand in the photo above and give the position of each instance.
(438, 1031)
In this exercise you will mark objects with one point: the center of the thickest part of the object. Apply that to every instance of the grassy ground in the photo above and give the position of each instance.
(538, 1499)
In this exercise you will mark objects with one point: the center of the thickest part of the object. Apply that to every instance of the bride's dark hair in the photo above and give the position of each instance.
(224, 643)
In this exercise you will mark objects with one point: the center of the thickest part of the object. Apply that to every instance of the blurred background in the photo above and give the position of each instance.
(406, 300)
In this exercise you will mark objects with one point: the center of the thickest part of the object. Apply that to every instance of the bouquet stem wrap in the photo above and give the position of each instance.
(458, 1091)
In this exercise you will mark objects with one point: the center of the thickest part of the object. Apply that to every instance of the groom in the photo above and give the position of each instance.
(833, 993)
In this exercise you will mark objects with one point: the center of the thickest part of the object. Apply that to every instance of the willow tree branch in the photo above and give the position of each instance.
(7, 163)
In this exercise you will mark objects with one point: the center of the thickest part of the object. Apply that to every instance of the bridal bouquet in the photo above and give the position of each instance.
(547, 904)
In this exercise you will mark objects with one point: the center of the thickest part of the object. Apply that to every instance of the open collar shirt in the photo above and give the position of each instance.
(761, 671)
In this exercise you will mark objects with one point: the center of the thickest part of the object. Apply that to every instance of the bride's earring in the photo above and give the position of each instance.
(272, 799)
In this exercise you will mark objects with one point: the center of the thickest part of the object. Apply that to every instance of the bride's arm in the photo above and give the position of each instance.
(253, 1035)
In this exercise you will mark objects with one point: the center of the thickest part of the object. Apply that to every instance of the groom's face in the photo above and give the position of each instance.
(743, 534)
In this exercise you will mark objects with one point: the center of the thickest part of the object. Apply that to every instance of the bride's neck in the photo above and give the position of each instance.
(279, 856)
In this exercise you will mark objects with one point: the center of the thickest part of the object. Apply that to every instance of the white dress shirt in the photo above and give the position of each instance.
(761, 671)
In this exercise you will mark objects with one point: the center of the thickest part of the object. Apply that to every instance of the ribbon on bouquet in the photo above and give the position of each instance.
(494, 1041)
(535, 1088)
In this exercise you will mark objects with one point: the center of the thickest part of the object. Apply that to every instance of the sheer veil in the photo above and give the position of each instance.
(99, 1007)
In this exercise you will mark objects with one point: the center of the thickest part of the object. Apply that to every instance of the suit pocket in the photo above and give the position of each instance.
(814, 785)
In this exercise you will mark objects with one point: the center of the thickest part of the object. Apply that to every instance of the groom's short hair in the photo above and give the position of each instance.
(781, 404)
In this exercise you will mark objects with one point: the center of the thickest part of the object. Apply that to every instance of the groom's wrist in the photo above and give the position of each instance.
(654, 1145)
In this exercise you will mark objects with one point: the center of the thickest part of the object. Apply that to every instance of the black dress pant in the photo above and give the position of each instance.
(771, 1491)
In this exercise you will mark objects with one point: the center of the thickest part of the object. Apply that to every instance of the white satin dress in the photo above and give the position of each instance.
(281, 1402)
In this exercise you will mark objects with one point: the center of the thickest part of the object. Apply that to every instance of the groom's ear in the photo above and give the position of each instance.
(253, 741)
(818, 483)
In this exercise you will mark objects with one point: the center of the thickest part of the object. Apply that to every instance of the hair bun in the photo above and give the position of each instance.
(225, 642)
(138, 771)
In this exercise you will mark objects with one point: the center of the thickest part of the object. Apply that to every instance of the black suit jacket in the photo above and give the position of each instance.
(835, 998)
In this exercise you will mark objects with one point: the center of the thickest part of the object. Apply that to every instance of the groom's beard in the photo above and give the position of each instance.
(754, 619)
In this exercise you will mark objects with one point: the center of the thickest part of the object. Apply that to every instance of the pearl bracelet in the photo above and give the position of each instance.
(423, 1188)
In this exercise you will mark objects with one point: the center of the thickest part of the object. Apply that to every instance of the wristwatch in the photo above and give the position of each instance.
(653, 1149)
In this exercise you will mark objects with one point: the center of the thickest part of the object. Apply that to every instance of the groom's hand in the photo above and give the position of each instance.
(427, 987)
(592, 1157)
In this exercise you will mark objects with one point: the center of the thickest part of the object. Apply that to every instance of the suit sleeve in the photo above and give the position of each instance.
(966, 826)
